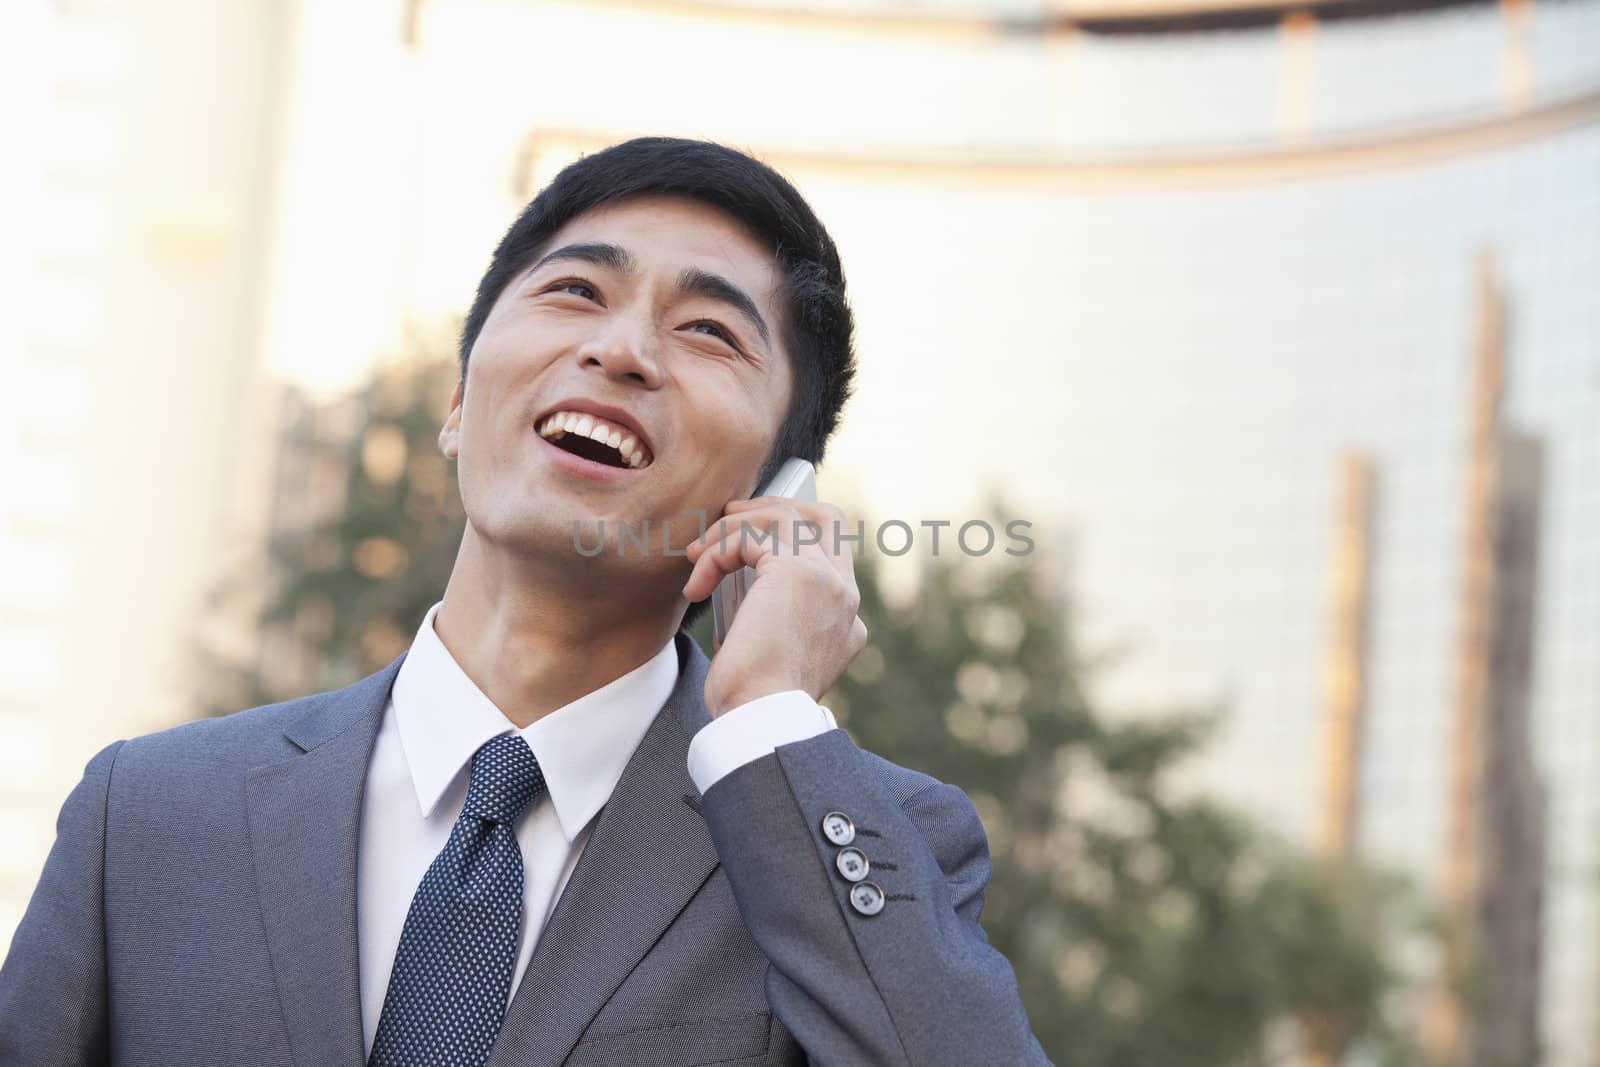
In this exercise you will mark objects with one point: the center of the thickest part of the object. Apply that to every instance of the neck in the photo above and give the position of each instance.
(534, 638)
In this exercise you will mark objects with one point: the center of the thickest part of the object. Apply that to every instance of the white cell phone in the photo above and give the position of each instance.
(797, 480)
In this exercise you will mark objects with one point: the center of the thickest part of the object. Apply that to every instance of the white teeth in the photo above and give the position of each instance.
(576, 422)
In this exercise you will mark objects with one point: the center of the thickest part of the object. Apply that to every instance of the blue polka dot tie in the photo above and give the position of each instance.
(452, 973)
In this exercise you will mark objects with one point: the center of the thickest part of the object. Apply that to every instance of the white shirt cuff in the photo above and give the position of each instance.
(750, 731)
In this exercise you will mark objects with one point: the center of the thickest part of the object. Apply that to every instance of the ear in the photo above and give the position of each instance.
(450, 432)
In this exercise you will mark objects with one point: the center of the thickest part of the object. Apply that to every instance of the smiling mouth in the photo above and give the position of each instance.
(594, 439)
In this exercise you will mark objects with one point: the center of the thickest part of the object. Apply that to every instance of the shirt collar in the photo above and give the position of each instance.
(582, 747)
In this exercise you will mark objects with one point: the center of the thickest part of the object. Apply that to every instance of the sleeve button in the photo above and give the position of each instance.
(866, 898)
(852, 863)
(837, 827)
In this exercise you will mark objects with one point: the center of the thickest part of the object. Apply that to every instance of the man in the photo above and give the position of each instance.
(552, 832)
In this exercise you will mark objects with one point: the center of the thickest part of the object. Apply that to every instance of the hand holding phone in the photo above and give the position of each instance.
(795, 480)
(800, 626)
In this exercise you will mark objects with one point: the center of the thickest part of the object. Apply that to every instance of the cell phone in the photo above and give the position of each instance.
(797, 480)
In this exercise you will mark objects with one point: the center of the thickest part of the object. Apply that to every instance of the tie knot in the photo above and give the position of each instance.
(505, 780)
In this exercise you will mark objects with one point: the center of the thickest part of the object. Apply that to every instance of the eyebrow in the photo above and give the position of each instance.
(691, 282)
(696, 282)
(612, 257)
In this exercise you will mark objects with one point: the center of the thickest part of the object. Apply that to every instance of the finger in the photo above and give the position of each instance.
(721, 556)
(726, 530)
(749, 540)
(801, 528)
(714, 563)
(698, 585)
(828, 516)
(829, 531)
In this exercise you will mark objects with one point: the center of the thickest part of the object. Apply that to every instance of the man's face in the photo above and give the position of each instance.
(660, 308)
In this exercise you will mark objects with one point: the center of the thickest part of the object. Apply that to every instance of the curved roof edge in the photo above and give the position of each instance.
(1245, 165)
(1063, 17)
(1187, 16)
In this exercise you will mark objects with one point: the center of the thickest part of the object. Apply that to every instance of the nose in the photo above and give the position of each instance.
(624, 350)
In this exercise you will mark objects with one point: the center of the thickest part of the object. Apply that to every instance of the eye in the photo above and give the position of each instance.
(715, 330)
(577, 286)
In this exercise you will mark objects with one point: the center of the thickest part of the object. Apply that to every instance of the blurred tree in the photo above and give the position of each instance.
(1148, 928)
(367, 521)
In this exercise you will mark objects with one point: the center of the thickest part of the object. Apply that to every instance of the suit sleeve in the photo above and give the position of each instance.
(53, 1004)
(911, 981)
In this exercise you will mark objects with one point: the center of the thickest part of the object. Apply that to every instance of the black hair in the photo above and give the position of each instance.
(817, 325)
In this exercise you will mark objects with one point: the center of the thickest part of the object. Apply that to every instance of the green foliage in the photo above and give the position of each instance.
(1148, 928)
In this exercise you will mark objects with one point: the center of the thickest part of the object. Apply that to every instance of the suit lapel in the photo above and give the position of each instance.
(649, 852)
(305, 821)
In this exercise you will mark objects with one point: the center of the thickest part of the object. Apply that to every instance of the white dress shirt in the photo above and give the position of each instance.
(434, 721)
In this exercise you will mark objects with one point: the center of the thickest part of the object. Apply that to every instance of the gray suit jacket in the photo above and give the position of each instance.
(199, 907)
